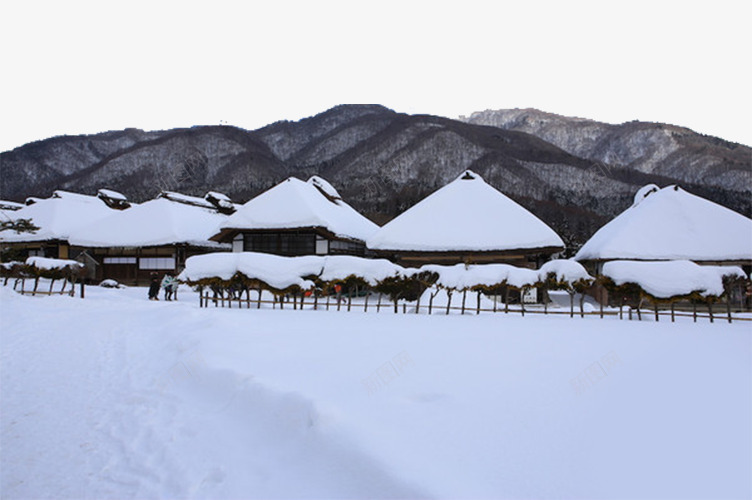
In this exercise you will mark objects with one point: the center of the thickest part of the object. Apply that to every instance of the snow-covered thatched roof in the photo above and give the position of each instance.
(669, 224)
(57, 217)
(465, 215)
(156, 222)
(294, 204)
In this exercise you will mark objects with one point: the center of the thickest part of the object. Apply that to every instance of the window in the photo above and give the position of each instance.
(322, 245)
(237, 243)
(346, 247)
(119, 260)
(156, 263)
(280, 243)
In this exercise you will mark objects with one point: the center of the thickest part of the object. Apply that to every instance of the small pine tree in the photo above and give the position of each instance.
(19, 226)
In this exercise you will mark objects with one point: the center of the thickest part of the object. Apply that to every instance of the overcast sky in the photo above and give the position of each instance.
(73, 67)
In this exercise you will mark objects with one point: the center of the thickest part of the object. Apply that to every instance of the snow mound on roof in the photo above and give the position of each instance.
(465, 215)
(187, 199)
(10, 205)
(218, 196)
(114, 195)
(296, 204)
(153, 223)
(58, 217)
(665, 279)
(644, 192)
(325, 187)
(220, 199)
(672, 224)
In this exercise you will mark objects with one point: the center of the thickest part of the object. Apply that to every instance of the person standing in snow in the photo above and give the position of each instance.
(167, 282)
(174, 289)
(154, 287)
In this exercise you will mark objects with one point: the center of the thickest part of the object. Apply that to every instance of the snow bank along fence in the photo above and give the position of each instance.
(45, 272)
(331, 282)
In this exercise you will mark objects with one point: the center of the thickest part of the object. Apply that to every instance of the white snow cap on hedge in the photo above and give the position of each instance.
(461, 277)
(282, 272)
(566, 270)
(665, 279)
(672, 224)
(339, 267)
(47, 263)
(297, 204)
(274, 270)
(465, 215)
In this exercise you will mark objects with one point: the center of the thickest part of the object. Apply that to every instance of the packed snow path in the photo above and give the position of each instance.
(118, 397)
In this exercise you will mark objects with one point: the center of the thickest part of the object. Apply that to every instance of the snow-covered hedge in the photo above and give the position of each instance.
(669, 280)
(42, 267)
(281, 274)
(53, 268)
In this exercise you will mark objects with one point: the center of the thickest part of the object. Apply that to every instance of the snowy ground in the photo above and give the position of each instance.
(115, 396)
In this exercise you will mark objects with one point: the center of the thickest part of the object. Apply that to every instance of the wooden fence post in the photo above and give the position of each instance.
(728, 309)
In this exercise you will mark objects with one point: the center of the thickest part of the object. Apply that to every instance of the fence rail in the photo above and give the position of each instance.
(66, 287)
(330, 302)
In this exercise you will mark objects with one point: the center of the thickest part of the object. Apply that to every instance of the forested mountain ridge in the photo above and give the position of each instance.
(575, 174)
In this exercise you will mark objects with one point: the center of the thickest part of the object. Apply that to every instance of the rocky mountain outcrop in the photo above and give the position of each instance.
(574, 175)
(653, 148)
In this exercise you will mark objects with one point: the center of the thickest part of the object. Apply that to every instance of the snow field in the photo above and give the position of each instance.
(115, 396)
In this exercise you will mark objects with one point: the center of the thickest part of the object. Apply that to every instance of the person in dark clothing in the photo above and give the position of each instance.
(154, 287)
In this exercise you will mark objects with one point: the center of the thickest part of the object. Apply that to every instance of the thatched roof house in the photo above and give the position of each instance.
(672, 224)
(297, 218)
(466, 221)
(157, 235)
(57, 218)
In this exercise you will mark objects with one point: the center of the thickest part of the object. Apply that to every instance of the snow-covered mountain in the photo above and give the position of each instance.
(575, 176)
(655, 148)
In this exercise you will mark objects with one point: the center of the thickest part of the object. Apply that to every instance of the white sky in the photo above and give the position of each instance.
(71, 67)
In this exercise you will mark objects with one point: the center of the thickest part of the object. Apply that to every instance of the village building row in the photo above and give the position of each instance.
(118, 239)
(466, 221)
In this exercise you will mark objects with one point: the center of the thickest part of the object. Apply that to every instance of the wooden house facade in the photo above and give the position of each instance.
(297, 218)
(156, 236)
